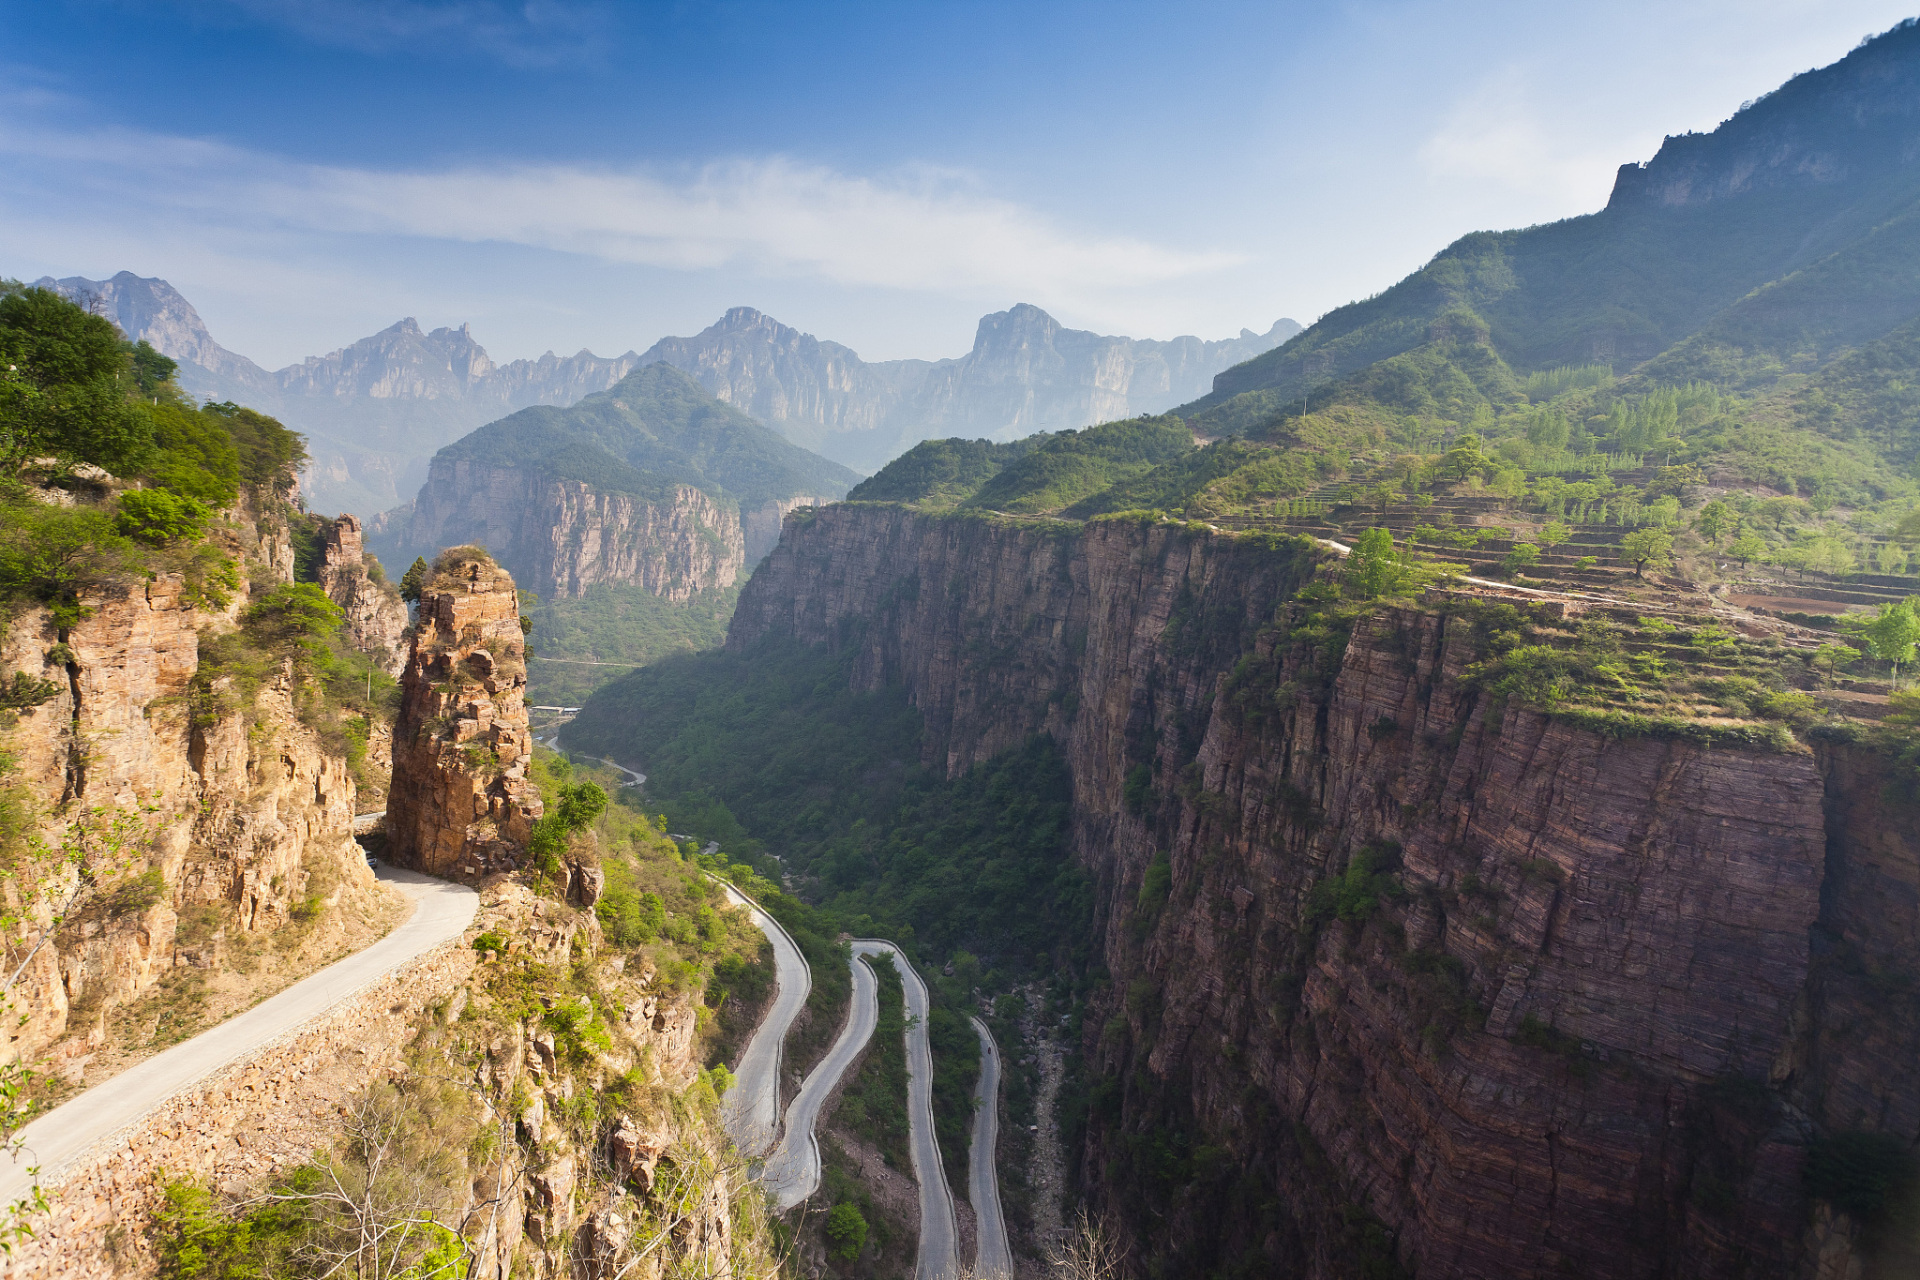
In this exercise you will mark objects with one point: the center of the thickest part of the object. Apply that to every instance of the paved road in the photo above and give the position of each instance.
(792, 1172)
(58, 1139)
(751, 1112)
(939, 1257)
(992, 1257)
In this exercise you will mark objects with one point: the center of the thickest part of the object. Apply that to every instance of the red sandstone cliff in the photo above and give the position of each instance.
(1611, 989)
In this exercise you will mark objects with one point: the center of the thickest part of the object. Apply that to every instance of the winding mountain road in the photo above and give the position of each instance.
(751, 1113)
(939, 1257)
(792, 1172)
(992, 1256)
(57, 1141)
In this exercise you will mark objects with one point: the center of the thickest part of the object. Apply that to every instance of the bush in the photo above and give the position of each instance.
(50, 555)
(631, 919)
(846, 1232)
(154, 517)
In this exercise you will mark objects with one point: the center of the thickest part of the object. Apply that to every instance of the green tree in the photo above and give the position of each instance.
(154, 517)
(846, 1232)
(414, 579)
(296, 619)
(1894, 633)
(1835, 656)
(51, 555)
(1645, 547)
(64, 378)
(1553, 535)
(1747, 548)
(1715, 521)
(1523, 556)
(1377, 568)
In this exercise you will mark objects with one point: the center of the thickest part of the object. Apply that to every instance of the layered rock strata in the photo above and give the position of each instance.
(562, 537)
(187, 795)
(461, 802)
(376, 617)
(1436, 983)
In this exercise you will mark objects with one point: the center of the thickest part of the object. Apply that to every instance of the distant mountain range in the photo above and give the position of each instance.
(376, 411)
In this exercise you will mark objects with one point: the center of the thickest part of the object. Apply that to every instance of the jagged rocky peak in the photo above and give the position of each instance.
(376, 616)
(1856, 121)
(461, 802)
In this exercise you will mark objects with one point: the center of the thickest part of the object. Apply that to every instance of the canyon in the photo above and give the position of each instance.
(1422, 978)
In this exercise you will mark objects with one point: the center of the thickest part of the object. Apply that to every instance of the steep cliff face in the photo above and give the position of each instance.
(1430, 978)
(376, 617)
(561, 537)
(461, 802)
(183, 799)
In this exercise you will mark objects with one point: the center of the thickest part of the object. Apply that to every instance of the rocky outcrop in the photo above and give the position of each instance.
(376, 617)
(562, 537)
(188, 787)
(1569, 1015)
(461, 802)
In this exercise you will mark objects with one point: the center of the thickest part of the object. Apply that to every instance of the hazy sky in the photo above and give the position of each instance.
(580, 173)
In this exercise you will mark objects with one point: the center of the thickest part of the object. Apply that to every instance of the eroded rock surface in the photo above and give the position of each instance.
(461, 803)
(1607, 992)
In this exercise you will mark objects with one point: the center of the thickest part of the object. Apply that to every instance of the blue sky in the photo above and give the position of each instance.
(576, 173)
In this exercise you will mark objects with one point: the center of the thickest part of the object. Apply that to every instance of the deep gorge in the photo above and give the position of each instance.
(1400, 976)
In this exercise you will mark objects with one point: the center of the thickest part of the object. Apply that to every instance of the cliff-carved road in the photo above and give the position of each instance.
(992, 1258)
(56, 1141)
(792, 1172)
(751, 1113)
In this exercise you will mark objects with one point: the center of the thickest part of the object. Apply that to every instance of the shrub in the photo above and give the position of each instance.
(154, 517)
(631, 919)
(846, 1232)
(490, 944)
(1356, 894)
(50, 555)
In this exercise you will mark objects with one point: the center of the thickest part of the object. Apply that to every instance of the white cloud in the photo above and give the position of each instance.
(926, 231)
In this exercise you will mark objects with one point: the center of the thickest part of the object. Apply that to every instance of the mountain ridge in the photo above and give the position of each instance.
(376, 409)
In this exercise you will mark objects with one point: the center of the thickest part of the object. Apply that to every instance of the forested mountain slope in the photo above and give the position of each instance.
(1803, 196)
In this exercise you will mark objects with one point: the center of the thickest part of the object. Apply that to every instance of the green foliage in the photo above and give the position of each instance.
(1644, 547)
(413, 580)
(154, 517)
(846, 1232)
(1376, 568)
(874, 1105)
(51, 555)
(295, 619)
(631, 919)
(617, 624)
(1893, 633)
(941, 473)
(197, 1238)
(195, 454)
(1356, 893)
(656, 428)
(269, 453)
(65, 382)
(27, 691)
(1062, 469)
(490, 943)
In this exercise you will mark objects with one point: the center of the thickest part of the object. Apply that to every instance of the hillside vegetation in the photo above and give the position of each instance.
(654, 429)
